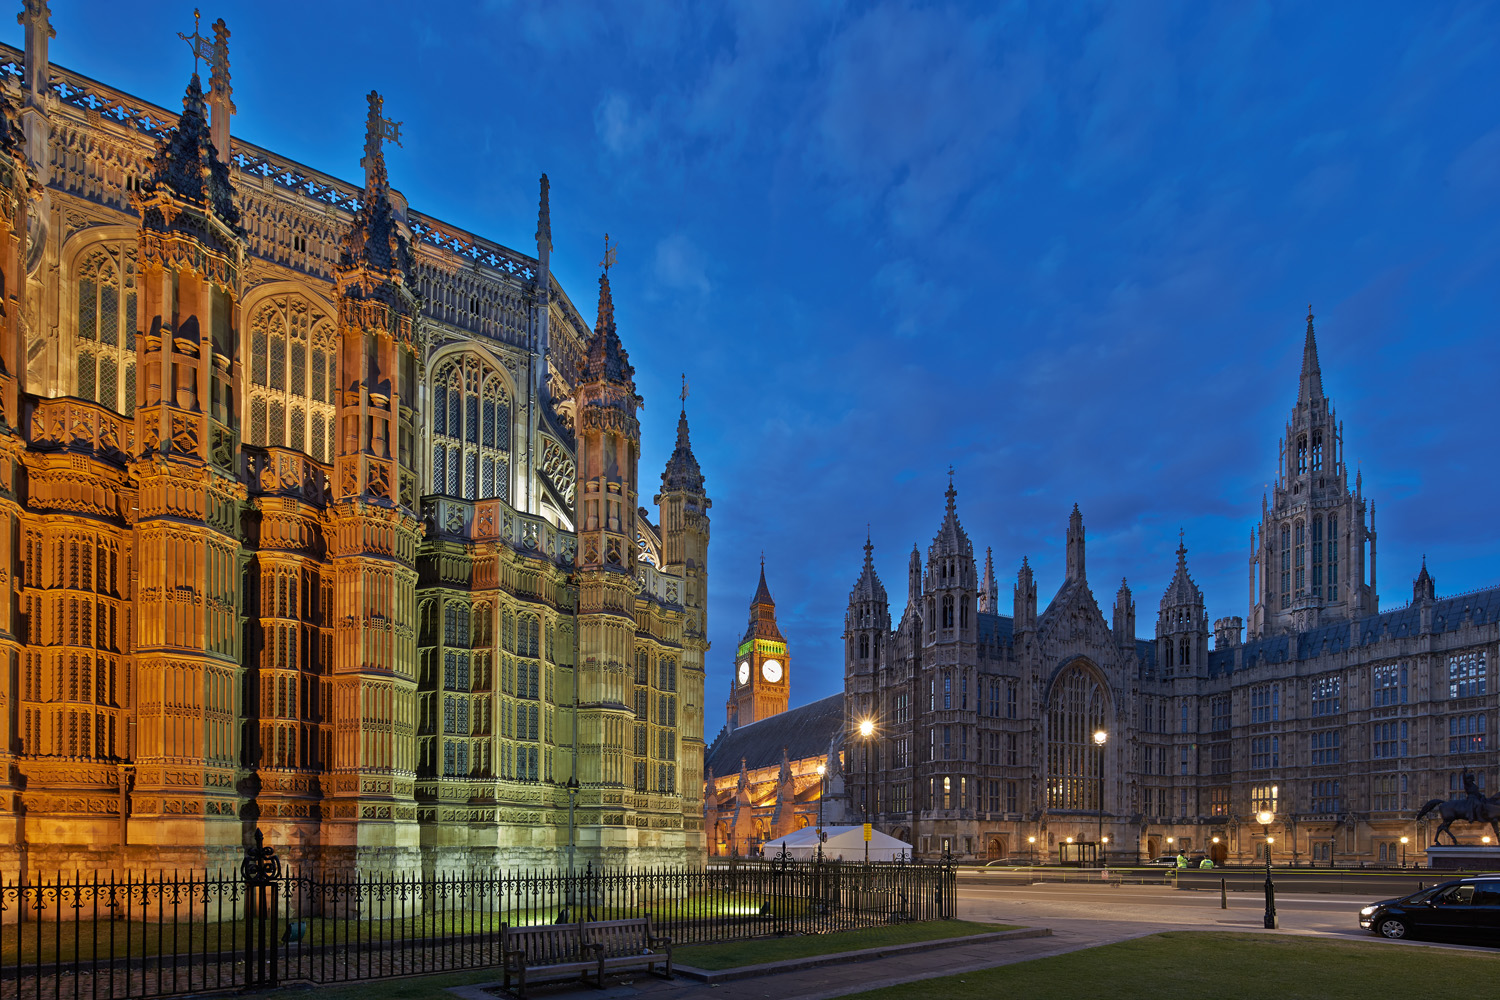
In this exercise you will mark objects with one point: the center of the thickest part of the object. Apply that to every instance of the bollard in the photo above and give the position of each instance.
(1223, 894)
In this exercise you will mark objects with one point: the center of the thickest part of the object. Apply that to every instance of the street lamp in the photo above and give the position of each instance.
(1099, 737)
(822, 782)
(1032, 842)
(867, 730)
(1265, 817)
(1404, 841)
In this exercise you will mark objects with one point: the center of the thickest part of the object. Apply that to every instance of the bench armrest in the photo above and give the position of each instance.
(659, 939)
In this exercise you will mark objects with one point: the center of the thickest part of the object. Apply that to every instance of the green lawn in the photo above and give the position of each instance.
(733, 954)
(1188, 964)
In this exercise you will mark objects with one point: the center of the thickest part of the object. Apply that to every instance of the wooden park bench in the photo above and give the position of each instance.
(548, 951)
(628, 944)
(560, 951)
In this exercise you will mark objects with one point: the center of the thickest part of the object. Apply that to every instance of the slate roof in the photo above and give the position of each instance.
(1448, 615)
(995, 629)
(804, 732)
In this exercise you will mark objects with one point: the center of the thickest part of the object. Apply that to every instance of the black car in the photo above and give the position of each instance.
(1463, 908)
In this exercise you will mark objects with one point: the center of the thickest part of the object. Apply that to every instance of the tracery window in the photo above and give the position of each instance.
(470, 430)
(1074, 763)
(293, 362)
(105, 360)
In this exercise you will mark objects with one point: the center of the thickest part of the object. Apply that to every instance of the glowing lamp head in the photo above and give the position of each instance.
(1105, 839)
(1070, 840)
(1405, 840)
(1270, 840)
(1171, 840)
(866, 727)
(822, 770)
(1099, 737)
(1265, 817)
(1216, 840)
(1485, 838)
(1031, 840)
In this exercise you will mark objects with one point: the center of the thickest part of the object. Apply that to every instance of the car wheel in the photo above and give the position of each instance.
(1392, 928)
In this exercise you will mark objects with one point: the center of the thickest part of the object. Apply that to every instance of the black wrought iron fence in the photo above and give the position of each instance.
(103, 937)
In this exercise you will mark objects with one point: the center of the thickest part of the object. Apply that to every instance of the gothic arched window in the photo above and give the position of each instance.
(1075, 712)
(1186, 656)
(105, 346)
(864, 647)
(470, 430)
(293, 362)
(947, 611)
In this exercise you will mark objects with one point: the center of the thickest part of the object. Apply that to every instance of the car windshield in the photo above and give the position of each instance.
(1424, 895)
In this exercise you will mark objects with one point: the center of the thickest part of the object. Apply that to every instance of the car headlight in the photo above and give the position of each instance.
(1368, 911)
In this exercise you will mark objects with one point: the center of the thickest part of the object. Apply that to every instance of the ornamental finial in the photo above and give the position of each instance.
(201, 45)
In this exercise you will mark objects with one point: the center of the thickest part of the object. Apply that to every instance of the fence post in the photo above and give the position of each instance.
(260, 871)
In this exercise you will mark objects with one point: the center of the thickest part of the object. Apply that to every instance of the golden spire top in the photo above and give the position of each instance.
(201, 45)
(611, 253)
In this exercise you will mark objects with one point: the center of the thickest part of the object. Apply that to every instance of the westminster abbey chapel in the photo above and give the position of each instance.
(320, 515)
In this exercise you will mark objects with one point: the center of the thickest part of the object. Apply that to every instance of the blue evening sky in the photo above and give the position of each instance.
(1067, 248)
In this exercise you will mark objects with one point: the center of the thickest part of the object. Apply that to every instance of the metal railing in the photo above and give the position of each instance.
(106, 936)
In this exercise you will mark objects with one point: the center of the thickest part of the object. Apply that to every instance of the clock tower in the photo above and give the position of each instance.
(760, 687)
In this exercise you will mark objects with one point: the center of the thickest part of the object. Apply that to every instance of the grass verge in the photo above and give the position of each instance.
(733, 954)
(1180, 965)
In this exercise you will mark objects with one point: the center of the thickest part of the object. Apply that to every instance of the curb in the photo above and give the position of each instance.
(863, 955)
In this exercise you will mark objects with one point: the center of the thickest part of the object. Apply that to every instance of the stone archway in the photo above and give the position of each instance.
(1153, 848)
(995, 848)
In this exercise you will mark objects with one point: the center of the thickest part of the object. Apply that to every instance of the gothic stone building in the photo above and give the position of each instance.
(319, 515)
(1340, 718)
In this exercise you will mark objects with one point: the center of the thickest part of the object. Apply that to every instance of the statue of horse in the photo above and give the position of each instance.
(1472, 810)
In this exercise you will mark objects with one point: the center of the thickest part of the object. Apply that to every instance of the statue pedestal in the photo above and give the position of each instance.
(1464, 857)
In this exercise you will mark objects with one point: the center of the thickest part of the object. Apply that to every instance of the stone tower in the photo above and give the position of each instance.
(949, 585)
(684, 505)
(609, 447)
(187, 531)
(374, 528)
(762, 671)
(867, 625)
(1308, 564)
(1182, 625)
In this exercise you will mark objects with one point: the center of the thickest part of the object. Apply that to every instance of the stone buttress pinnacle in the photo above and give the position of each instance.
(607, 360)
(187, 167)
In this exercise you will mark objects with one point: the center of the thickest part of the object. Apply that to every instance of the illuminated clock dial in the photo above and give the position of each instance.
(771, 671)
(744, 671)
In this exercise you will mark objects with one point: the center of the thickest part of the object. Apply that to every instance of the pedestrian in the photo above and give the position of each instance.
(1206, 863)
(1182, 861)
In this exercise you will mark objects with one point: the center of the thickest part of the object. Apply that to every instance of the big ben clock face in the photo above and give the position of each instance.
(771, 671)
(744, 671)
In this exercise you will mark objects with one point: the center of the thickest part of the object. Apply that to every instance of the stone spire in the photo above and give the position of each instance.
(37, 19)
(914, 577)
(989, 597)
(1075, 569)
(1124, 619)
(187, 168)
(868, 587)
(1310, 382)
(607, 360)
(1182, 590)
(1024, 607)
(544, 219)
(682, 472)
(1424, 588)
(221, 94)
(375, 240)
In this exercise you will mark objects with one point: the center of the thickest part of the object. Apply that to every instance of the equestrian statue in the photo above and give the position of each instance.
(1472, 808)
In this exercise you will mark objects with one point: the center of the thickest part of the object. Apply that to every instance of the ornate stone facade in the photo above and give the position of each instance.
(1339, 717)
(288, 473)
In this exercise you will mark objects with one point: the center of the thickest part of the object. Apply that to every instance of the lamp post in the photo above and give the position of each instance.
(1032, 842)
(1099, 737)
(822, 790)
(1265, 817)
(867, 730)
(1404, 841)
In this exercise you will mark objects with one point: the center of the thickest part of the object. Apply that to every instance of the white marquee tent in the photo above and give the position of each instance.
(845, 843)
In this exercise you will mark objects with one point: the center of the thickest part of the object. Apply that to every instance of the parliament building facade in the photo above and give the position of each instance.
(319, 516)
(1340, 718)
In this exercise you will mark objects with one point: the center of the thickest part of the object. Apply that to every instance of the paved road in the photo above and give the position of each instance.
(1131, 910)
